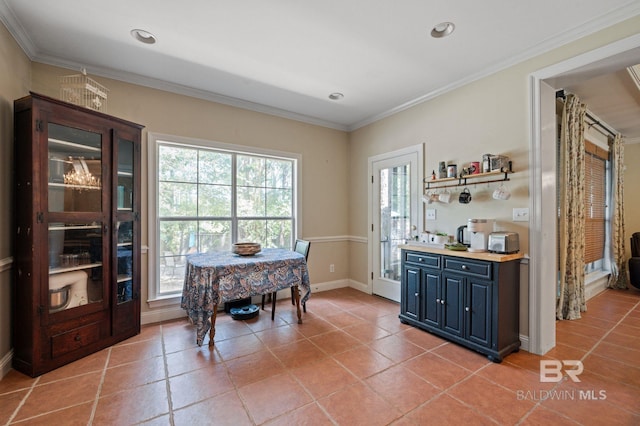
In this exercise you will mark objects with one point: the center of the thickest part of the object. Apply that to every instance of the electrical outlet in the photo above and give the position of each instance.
(431, 214)
(521, 214)
(332, 268)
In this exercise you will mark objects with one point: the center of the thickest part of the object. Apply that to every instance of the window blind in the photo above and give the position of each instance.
(595, 202)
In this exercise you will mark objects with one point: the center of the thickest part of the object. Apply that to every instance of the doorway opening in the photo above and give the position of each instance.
(542, 163)
(395, 212)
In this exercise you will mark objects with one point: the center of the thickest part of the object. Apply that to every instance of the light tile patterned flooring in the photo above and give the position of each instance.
(350, 363)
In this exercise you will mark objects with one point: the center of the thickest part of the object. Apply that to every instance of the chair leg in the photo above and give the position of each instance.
(273, 305)
(263, 302)
(304, 307)
(293, 297)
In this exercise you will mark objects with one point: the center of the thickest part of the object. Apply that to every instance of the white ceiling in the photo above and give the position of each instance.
(285, 57)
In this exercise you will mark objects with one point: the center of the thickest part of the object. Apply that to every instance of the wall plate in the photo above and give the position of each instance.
(521, 214)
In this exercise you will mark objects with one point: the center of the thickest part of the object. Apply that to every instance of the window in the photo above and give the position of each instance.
(596, 177)
(208, 196)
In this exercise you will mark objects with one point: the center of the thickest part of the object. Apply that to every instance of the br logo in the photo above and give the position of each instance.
(551, 370)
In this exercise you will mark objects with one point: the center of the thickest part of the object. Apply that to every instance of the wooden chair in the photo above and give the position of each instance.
(302, 247)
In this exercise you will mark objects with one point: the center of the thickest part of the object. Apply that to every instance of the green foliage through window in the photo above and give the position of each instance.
(208, 199)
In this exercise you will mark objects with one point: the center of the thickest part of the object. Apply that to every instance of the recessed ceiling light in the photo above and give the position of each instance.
(143, 36)
(336, 96)
(443, 29)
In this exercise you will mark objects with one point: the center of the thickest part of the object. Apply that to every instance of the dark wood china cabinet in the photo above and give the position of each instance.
(77, 240)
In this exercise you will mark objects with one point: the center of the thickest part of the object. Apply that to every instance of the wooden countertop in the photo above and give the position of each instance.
(492, 257)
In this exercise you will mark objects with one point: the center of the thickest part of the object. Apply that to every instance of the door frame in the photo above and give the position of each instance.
(416, 191)
(542, 178)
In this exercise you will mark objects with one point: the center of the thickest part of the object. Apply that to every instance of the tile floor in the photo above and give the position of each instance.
(350, 363)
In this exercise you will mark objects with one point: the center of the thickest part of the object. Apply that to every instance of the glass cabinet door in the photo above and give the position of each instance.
(75, 229)
(125, 262)
(75, 170)
(75, 265)
(125, 194)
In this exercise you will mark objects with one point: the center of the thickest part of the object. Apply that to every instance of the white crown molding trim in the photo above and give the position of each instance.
(6, 264)
(21, 36)
(600, 23)
(180, 89)
(19, 33)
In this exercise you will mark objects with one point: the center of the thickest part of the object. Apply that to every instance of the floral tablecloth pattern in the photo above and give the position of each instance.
(216, 277)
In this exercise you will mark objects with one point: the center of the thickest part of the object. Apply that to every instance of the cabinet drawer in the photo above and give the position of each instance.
(74, 339)
(474, 267)
(424, 259)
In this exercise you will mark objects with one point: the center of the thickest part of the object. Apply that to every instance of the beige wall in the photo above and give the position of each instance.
(631, 192)
(490, 115)
(15, 80)
(324, 157)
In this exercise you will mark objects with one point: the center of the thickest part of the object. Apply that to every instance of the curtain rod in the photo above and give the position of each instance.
(561, 94)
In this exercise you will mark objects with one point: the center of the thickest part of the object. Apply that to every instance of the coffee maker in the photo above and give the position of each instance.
(479, 230)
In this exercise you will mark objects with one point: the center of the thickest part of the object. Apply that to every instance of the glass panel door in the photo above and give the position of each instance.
(125, 262)
(75, 229)
(75, 265)
(124, 199)
(395, 218)
(75, 170)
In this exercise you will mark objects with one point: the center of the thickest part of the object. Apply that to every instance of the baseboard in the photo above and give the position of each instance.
(595, 287)
(524, 342)
(5, 364)
(360, 286)
(167, 313)
(328, 285)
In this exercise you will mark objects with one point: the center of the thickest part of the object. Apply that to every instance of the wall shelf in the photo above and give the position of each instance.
(463, 180)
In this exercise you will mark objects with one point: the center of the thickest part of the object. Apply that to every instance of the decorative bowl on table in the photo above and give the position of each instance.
(246, 249)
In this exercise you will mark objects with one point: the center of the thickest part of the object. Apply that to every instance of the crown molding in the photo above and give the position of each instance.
(22, 38)
(600, 23)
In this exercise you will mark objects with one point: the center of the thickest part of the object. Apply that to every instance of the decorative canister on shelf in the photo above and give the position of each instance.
(442, 170)
(452, 170)
(486, 163)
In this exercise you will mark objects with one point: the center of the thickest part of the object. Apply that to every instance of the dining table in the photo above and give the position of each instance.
(222, 276)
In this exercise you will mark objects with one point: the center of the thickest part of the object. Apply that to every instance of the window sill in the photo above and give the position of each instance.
(165, 301)
(592, 277)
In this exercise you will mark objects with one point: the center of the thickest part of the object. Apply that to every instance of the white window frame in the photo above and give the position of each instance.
(154, 299)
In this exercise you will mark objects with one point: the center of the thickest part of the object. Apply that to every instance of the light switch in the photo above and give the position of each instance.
(431, 214)
(521, 214)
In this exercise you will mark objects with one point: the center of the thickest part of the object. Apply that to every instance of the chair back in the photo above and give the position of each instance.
(302, 247)
(635, 244)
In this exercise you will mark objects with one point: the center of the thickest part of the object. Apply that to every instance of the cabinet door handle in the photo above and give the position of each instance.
(466, 308)
(417, 294)
(437, 300)
(419, 259)
(465, 267)
(77, 338)
(442, 302)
